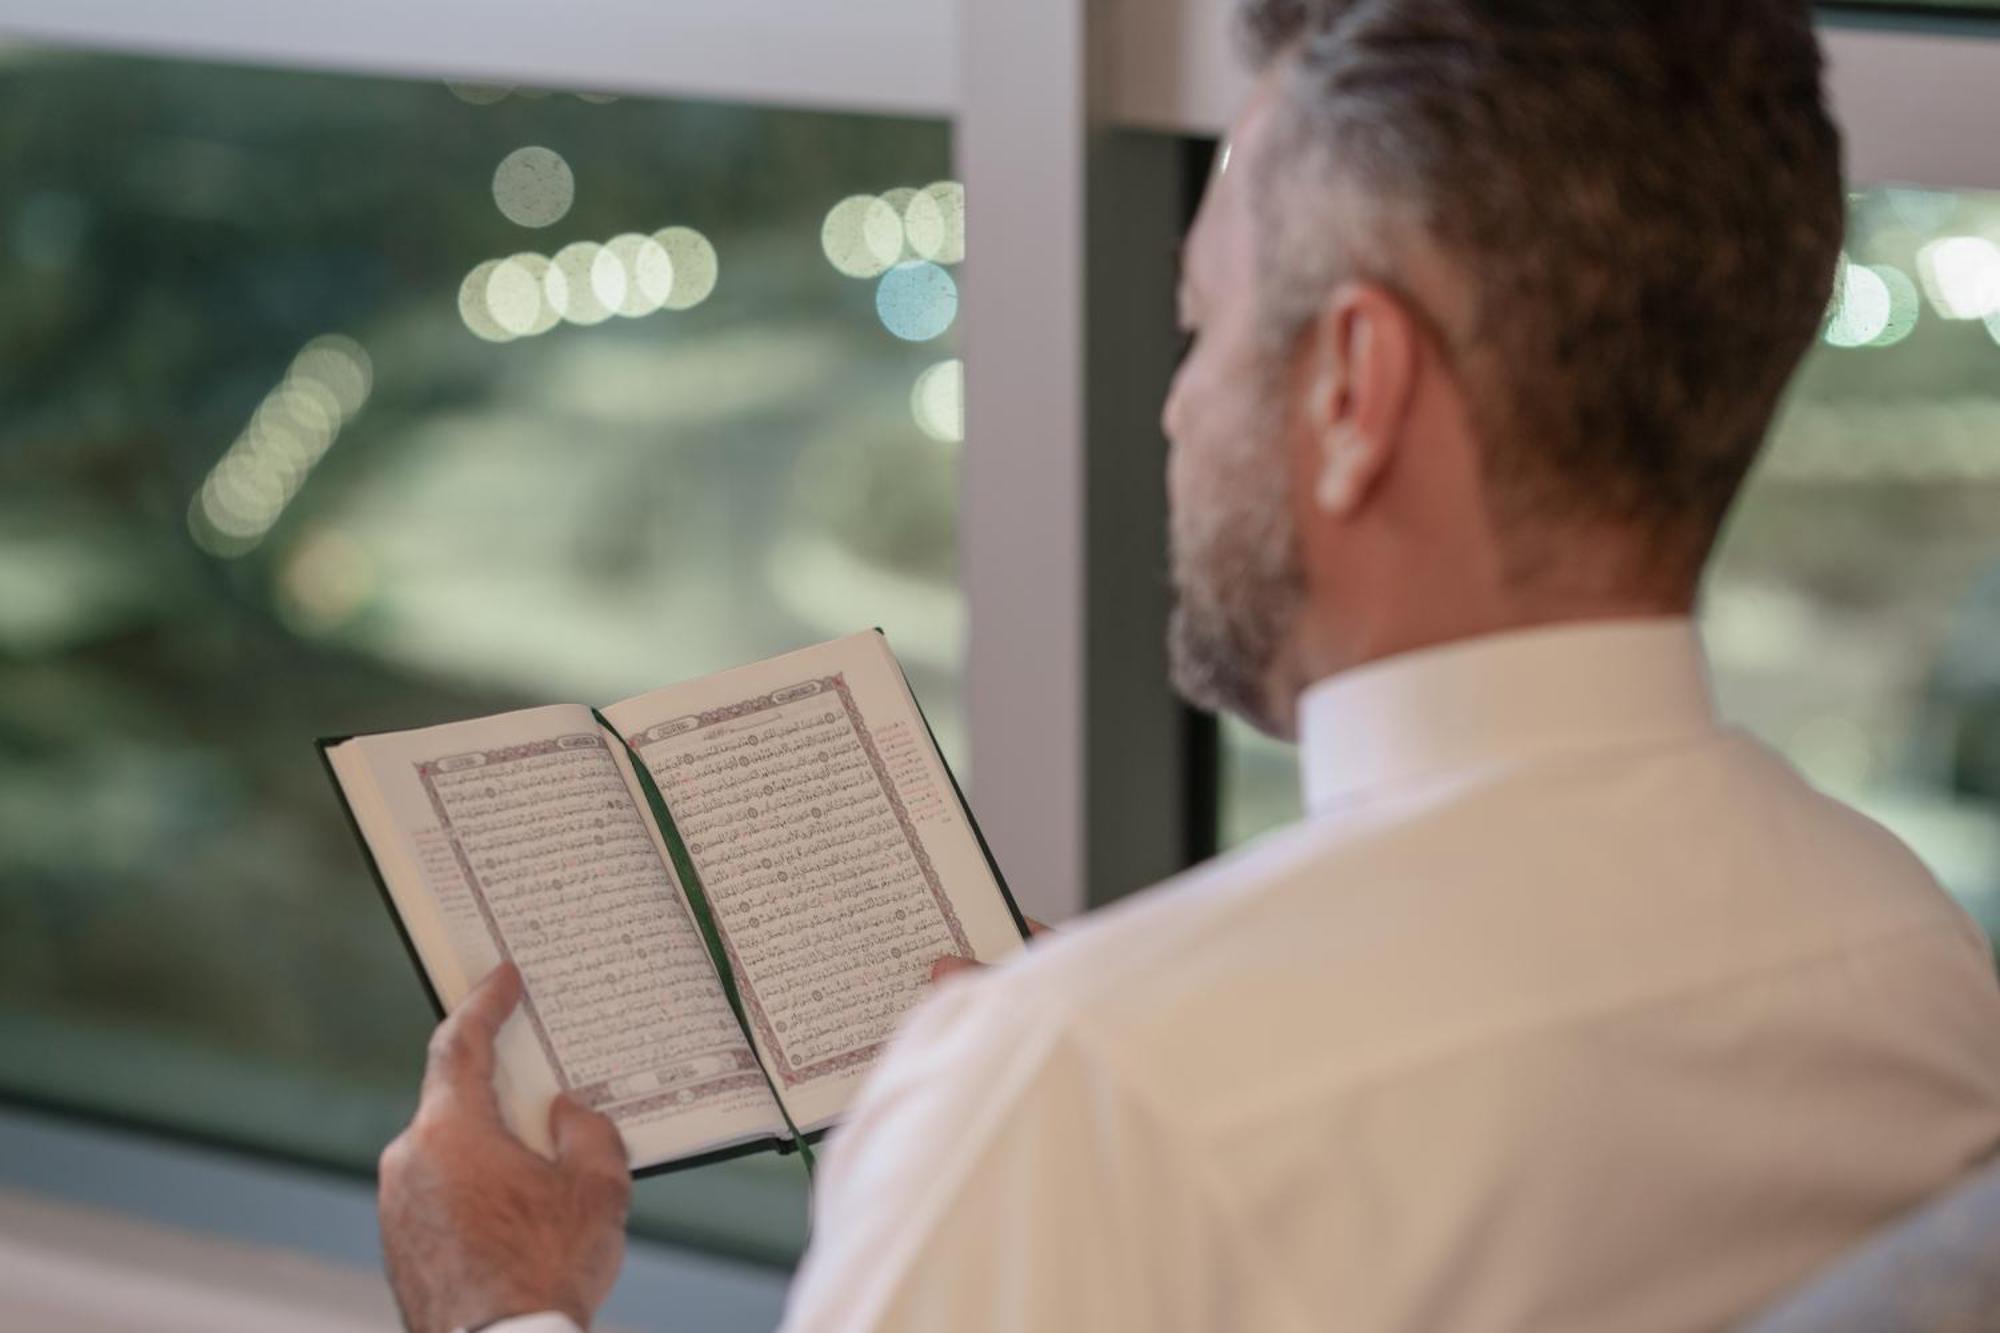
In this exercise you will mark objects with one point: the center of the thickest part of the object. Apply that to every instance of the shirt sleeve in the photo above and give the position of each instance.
(995, 1178)
(533, 1323)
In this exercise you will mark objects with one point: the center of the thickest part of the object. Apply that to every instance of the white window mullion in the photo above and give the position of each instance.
(1021, 150)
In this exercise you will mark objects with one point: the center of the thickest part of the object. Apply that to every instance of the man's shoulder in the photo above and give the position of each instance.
(1814, 855)
(1133, 952)
(1335, 949)
(1170, 975)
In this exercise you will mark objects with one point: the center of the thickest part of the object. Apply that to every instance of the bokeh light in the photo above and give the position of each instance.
(1861, 309)
(937, 401)
(862, 236)
(295, 421)
(326, 579)
(574, 267)
(1961, 275)
(339, 363)
(246, 492)
(487, 94)
(647, 274)
(899, 200)
(472, 307)
(585, 283)
(916, 300)
(534, 187)
(1906, 305)
(923, 225)
(608, 279)
(934, 222)
(479, 94)
(695, 266)
(517, 295)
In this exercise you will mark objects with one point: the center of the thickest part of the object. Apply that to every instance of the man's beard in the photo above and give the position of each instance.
(1238, 578)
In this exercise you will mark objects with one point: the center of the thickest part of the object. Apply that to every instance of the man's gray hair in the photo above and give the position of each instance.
(1640, 200)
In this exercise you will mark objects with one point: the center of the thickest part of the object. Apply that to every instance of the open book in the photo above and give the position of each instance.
(721, 895)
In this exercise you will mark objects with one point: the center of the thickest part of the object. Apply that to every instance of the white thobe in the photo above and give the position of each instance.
(1566, 1008)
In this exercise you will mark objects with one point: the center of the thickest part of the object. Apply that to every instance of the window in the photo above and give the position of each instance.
(1853, 613)
(344, 404)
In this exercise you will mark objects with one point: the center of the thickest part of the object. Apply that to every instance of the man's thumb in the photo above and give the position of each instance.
(585, 1139)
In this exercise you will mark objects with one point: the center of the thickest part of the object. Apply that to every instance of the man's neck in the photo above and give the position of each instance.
(1330, 642)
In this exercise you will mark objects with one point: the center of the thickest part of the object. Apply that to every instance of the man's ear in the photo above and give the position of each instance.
(1363, 374)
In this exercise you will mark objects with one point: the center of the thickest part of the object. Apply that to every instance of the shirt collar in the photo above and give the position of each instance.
(1499, 699)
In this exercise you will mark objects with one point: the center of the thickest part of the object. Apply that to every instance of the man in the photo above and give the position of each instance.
(1567, 1007)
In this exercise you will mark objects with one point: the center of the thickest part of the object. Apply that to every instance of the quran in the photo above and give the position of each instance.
(721, 896)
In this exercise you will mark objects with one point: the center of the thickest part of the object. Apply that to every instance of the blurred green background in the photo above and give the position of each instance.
(187, 935)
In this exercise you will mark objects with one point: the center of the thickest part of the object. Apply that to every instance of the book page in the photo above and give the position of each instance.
(838, 862)
(522, 836)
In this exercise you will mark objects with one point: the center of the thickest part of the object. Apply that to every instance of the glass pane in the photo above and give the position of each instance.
(342, 404)
(1260, 784)
(1853, 615)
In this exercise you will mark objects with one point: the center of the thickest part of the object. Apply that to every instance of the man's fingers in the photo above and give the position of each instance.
(951, 965)
(460, 1068)
(589, 1144)
(490, 1002)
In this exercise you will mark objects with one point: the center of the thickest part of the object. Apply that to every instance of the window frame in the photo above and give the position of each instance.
(895, 57)
(1895, 73)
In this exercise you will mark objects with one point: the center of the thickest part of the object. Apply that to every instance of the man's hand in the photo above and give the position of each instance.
(476, 1226)
(952, 964)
